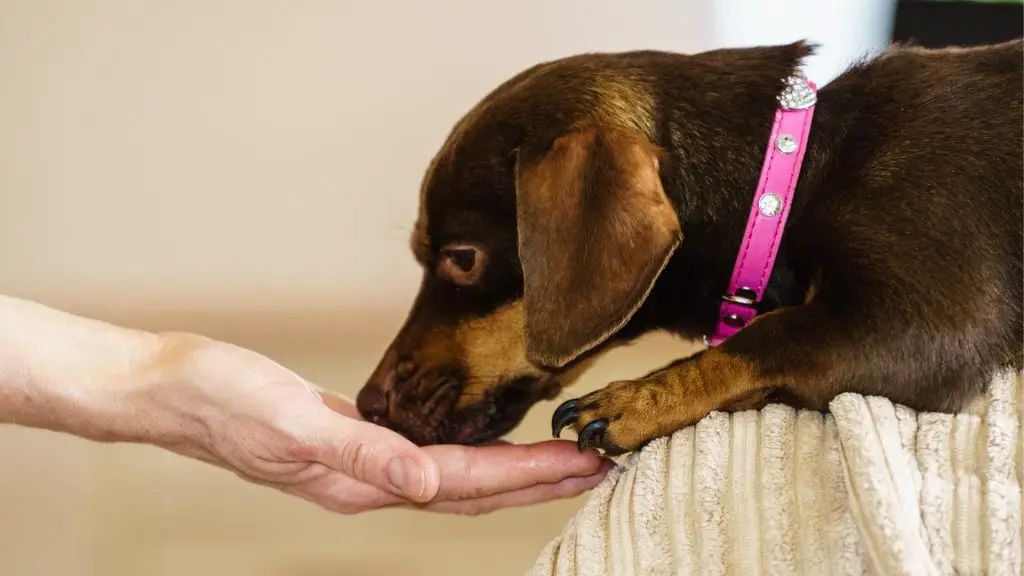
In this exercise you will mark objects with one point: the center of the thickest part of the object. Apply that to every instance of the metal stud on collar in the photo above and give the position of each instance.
(769, 204)
(797, 95)
(786, 144)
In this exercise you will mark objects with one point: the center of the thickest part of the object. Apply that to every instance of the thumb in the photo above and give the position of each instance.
(376, 456)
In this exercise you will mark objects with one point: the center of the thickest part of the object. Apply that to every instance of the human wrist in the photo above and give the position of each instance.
(156, 405)
(66, 373)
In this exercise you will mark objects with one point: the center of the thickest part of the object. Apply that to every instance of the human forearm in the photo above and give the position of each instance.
(67, 373)
(236, 409)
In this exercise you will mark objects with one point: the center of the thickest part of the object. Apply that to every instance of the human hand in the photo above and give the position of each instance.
(236, 409)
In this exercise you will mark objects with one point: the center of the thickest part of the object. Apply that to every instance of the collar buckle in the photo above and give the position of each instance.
(743, 296)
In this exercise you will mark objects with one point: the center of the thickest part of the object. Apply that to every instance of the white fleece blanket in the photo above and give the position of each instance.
(871, 488)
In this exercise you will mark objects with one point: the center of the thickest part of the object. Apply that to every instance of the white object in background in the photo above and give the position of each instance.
(845, 30)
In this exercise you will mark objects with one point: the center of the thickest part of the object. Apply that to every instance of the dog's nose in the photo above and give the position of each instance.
(372, 403)
(375, 396)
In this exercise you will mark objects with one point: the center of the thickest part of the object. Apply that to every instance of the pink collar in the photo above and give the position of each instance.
(774, 195)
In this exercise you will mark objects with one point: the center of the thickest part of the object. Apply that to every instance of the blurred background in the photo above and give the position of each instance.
(249, 169)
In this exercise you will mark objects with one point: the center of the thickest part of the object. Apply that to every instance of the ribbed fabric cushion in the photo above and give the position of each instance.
(871, 488)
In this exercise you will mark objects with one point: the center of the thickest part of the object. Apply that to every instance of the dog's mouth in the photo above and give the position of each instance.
(488, 417)
(500, 410)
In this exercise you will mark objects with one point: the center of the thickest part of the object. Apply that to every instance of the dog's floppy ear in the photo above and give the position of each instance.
(595, 231)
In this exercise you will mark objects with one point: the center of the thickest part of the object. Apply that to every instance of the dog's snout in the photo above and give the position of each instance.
(372, 403)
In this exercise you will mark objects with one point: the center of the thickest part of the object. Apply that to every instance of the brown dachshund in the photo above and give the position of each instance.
(593, 199)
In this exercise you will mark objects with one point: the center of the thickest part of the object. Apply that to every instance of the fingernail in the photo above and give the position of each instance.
(407, 476)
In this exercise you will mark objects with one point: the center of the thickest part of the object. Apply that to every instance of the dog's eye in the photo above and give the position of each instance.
(461, 263)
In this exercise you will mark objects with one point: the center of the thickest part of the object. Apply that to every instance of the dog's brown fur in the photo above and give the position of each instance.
(607, 196)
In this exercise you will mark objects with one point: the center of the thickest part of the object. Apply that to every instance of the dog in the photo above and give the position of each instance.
(592, 199)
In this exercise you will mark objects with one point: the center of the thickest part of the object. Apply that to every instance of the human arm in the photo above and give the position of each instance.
(236, 409)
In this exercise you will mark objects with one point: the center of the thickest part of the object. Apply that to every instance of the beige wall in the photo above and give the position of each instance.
(254, 164)
(253, 154)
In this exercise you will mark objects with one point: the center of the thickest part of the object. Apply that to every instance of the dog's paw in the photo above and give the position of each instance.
(619, 418)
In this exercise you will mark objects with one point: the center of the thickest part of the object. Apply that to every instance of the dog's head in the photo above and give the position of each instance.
(543, 226)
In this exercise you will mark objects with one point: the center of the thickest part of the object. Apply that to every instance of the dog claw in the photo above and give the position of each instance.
(564, 415)
(592, 434)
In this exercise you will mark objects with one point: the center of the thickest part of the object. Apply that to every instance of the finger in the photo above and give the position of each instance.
(568, 488)
(481, 471)
(349, 496)
(345, 495)
(373, 455)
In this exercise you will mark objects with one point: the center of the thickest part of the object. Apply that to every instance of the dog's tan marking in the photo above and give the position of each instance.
(492, 349)
(671, 399)
(754, 401)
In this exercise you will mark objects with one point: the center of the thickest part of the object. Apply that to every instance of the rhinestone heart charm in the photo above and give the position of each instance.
(797, 95)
